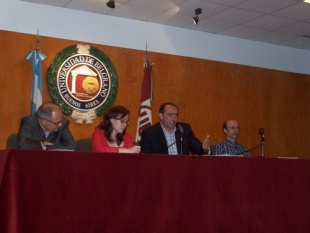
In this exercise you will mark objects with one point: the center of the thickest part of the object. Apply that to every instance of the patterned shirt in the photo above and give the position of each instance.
(170, 138)
(230, 148)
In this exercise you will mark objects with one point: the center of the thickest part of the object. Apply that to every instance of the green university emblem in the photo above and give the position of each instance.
(83, 82)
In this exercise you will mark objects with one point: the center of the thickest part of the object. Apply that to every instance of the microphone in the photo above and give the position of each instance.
(262, 133)
(180, 128)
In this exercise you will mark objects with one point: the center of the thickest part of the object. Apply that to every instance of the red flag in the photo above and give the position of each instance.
(145, 113)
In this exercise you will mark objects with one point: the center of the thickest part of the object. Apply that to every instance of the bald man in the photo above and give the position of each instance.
(46, 129)
(231, 147)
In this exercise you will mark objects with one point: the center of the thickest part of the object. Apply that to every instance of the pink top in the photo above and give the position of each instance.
(100, 142)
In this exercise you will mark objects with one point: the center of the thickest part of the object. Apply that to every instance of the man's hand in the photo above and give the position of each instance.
(206, 144)
(46, 143)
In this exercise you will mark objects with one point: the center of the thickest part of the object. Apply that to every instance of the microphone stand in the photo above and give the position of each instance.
(249, 150)
(179, 139)
(263, 146)
(181, 131)
(174, 142)
(181, 144)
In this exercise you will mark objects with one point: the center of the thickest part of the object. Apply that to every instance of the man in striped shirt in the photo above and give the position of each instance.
(231, 146)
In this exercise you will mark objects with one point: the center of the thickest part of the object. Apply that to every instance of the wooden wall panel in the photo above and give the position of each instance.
(207, 92)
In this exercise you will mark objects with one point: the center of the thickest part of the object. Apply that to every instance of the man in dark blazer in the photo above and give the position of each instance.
(45, 129)
(170, 136)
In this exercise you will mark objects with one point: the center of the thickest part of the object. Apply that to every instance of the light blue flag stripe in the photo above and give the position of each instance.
(36, 93)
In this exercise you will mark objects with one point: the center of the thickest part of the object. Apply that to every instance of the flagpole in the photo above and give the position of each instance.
(145, 56)
(36, 57)
(145, 113)
(38, 41)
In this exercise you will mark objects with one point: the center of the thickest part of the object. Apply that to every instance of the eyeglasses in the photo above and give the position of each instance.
(54, 123)
(123, 121)
(172, 114)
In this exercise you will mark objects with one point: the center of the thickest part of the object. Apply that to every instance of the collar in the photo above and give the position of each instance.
(166, 131)
(45, 131)
(231, 142)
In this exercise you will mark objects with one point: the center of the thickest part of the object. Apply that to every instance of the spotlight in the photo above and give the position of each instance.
(196, 18)
(111, 3)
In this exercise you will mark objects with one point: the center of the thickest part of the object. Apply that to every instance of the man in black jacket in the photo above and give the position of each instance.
(45, 129)
(170, 136)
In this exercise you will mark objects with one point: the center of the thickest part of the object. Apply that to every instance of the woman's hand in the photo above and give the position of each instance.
(134, 150)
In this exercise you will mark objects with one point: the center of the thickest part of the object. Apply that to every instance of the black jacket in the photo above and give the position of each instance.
(153, 140)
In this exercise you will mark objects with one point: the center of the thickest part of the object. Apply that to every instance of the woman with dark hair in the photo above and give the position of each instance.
(111, 136)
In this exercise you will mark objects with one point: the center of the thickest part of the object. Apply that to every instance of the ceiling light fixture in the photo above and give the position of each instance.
(196, 18)
(111, 3)
(307, 1)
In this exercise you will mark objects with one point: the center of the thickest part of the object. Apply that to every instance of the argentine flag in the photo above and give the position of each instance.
(36, 93)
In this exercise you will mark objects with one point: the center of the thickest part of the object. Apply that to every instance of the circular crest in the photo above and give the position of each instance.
(83, 82)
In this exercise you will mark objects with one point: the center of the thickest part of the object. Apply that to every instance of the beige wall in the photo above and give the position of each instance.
(207, 92)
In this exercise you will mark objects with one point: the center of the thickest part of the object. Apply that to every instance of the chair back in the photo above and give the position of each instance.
(83, 144)
(11, 142)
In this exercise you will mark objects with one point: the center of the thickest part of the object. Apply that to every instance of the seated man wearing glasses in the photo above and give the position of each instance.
(46, 129)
